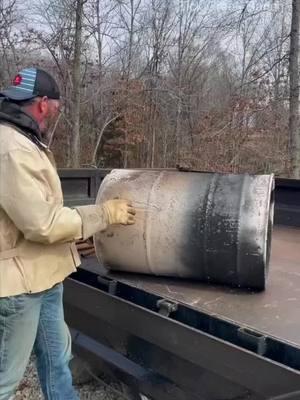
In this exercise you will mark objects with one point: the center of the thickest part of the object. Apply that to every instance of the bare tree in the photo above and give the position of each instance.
(195, 32)
(163, 82)
(9, 40)
(294, 91)
(100, 21)
(76, 83)
(159, 33)
(129, 16)
(63, 41)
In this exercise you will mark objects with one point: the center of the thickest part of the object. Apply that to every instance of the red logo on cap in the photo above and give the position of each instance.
(18, 80)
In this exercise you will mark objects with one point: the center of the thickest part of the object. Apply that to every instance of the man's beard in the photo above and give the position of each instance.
(50, 127)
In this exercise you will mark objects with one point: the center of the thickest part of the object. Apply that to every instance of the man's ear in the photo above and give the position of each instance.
(43, 105)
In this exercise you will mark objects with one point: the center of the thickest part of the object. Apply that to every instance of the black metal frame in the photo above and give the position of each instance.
(287, 202)
(188, 354)
(80, 186)
(170, 351)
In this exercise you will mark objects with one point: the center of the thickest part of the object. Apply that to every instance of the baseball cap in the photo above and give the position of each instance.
(30, 83)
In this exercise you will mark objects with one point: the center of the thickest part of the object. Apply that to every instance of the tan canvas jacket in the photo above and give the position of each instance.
(37, 232)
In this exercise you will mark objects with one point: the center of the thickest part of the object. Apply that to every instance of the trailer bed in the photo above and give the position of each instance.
(274, 312)
(121, 323)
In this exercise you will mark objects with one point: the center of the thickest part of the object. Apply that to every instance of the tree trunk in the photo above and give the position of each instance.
(76, 75)
(105, 125)
(294, 133)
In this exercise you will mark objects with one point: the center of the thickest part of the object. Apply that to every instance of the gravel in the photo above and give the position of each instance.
(29, 388)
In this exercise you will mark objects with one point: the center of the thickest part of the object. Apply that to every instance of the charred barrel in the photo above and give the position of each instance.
(211, 227)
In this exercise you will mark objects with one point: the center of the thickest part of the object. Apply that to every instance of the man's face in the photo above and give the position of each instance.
(45, 112)
(50, 110)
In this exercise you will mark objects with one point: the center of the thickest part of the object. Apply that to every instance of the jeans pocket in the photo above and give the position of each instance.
(7, 306)
(11, 305)
(19, 301)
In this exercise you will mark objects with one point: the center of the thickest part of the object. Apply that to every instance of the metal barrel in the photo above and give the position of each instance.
(211, 227)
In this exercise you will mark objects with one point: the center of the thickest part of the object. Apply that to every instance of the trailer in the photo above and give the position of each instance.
(172, 339)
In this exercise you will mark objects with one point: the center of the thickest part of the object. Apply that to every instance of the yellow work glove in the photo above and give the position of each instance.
(119, 212)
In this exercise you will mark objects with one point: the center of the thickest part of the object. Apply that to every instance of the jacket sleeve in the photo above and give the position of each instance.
(23, 196)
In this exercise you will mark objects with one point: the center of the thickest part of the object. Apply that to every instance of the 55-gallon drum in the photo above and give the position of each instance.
(211, 227)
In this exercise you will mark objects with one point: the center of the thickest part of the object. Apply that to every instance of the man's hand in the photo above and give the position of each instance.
(119, 212)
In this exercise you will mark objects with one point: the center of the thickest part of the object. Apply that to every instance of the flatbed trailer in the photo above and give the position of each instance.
(176, 339)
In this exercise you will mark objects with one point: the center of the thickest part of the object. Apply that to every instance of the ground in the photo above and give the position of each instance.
(29, 388)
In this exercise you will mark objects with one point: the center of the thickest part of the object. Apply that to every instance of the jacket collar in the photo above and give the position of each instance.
(12, 114)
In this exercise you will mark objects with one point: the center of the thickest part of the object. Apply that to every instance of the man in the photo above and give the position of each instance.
(37, 234)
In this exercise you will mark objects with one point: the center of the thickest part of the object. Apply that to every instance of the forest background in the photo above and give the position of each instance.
(201, 84)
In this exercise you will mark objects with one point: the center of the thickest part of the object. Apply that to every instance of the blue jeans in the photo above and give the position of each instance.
(35, 322)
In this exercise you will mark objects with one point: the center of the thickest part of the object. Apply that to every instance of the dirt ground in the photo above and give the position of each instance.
(29, 388)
